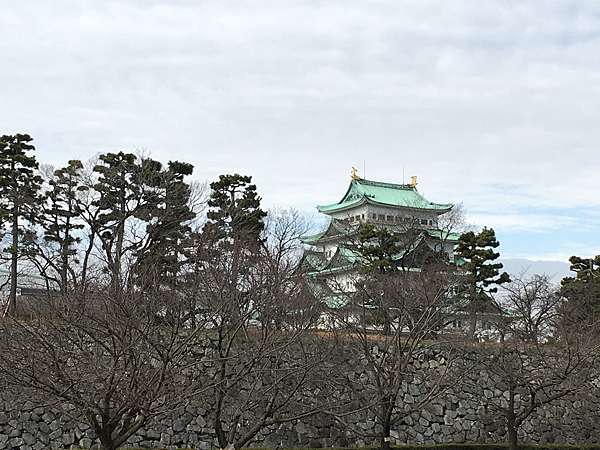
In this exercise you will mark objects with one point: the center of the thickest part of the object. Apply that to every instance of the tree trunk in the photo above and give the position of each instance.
(64, 270)
(119, 242)
(388, 408)
(12, 300)
(512, 437)
(472, 305)
(512, 423)
(384, 442)
(106, 440)
(88, 251)
(472, 324)
(64, 253)
(221, 438)
(116, 281)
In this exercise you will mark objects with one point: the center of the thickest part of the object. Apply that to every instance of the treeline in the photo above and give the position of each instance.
(124, 220)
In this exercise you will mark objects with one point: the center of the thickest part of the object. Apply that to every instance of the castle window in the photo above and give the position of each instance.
(374, 216)
(423, 221)
(381, 217)
(390, 218)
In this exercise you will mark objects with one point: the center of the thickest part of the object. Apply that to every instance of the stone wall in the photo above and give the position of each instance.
(460, 415)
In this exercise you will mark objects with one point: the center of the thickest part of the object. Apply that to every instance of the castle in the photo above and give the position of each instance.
(331, 263)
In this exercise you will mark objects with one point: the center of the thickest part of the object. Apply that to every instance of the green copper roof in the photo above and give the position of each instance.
(387, 194)
(335, 229)
(444, 235)
(313, 260)
(344, 259)
(312, 238)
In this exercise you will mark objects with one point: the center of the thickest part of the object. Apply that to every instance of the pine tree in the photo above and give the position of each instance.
(236, 213)
(587, 270)
(19, 199)
(581, 293)
(482, 274)
(60, 223)
(378, 247)
(232, 237)
(170, 229)
(127, 192)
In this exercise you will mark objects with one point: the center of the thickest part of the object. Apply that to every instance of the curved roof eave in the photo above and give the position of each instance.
(341, 206)
(437, 207)
(309, 239)
(440, 207)
(324, 272)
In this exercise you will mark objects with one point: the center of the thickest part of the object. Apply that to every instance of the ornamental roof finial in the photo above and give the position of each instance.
(413, 181)
(354, 174)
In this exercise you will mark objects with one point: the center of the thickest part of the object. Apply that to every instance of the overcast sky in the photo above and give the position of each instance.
(495, 104)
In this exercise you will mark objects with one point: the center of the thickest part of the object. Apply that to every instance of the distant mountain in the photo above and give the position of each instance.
(556, 270)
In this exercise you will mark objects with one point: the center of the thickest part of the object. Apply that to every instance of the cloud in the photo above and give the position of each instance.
(493, 104)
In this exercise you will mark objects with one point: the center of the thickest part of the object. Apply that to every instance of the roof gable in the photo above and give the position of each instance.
(336, 230)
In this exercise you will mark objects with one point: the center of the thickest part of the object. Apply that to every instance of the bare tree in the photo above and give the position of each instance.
(453, 222)
(533, 305)
(260, 316)
(198, 200)
(411, 304)
(283, 230)
(529, 376)
(109, 354)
